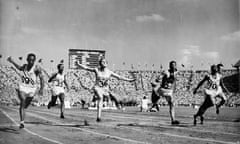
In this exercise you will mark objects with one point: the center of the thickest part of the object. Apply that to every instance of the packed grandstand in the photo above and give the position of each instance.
(130, 94)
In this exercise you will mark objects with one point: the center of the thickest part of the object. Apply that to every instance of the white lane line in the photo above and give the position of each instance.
(29, 131)
(182, 128)
(165, 133)
(161, 116)
(130, 115)
(187, 137)
(163, 125)
(150, 118)
(158, 121)
(92, 132)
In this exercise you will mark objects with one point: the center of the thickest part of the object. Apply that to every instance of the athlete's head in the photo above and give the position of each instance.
(219, 67)
(31, 58)
(60, 67)
(214, 69)
(103, 63)
(158, 78)
(173, 65)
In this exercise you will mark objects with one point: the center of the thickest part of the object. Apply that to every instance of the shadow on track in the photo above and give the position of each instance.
(160, 127)
(9, 130)
(61, 125)
(237, 120)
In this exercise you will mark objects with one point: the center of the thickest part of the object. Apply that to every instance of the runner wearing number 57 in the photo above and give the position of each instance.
(58, 80)
(211, 91)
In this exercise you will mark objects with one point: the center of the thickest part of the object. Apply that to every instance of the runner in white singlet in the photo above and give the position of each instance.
(167, 88)
(28, 87)
(211, 91)
(220, 93)
(101, 87)
(58, 82)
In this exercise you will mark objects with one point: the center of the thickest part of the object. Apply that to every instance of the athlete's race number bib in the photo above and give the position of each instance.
(27, 80)
(59, 84)
(213, 86)
(168, 86)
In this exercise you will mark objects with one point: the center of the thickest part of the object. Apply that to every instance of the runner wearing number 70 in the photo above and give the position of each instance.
(214, 83)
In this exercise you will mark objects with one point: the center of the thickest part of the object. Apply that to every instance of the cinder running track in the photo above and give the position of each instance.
(122, 127)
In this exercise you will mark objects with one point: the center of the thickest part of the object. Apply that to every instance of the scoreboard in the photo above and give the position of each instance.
(89, 58)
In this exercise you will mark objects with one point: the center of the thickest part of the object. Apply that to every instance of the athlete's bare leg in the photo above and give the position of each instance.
(171, 109)
(115, 100)
(22, 99)
(24, 103)
(62, 106)
(221, 103)
(155, 100)
(99, 104)
(52, 101)
(203, 108)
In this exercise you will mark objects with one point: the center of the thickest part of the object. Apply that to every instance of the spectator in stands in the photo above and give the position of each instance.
(144, 104)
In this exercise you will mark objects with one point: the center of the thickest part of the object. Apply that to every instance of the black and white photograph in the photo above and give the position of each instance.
(119, 71)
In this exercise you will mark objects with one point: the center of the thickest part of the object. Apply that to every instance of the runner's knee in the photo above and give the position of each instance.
(62, 97)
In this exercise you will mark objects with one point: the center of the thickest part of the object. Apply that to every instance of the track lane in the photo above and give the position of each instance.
(151, 129)
(66, 129)
(11, 134)
(209, 127)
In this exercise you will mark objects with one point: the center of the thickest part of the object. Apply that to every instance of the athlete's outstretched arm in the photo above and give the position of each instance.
(10, 59)
(85, 67)
(45, 72)
(121, 78)
(40, 74)
(223, 86)
(65, 82)
(175, 86)
(52, 77)
(200, 84)
(80, 82)
(154, 83)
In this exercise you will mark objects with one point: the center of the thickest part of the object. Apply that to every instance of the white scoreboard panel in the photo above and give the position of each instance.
(89, 58)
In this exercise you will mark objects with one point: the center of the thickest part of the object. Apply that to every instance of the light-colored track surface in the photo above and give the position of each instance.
(45, 126)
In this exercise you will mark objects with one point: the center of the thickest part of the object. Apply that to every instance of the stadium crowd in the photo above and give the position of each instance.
(81, 82)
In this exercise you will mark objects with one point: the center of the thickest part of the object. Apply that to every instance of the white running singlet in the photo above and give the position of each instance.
(58, 84)
(213, 85)
(29, 81)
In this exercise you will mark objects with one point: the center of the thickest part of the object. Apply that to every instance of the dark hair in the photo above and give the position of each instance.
(31, 54)
(219, 65)
(213, 66)
(101, 59)
(171, 62)
(58, 66)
